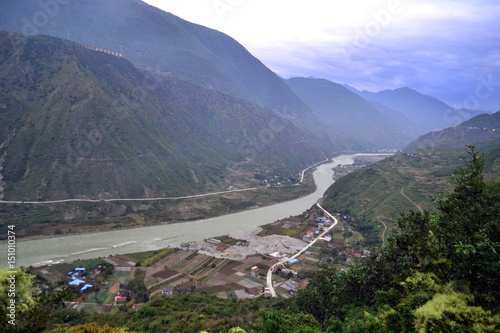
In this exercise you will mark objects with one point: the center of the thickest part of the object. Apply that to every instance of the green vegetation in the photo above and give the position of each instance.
(437, 273)
(382, 191)
(82, 124)
(478, 129)
(157, 256)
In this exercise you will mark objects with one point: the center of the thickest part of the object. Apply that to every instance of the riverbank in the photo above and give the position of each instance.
(164, 211)
(67, 248)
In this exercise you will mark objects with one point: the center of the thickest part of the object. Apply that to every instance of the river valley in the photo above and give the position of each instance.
(85, 246)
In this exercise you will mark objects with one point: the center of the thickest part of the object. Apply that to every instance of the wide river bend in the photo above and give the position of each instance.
(38, 252)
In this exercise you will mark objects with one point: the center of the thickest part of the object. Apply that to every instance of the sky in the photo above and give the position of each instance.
(448, 49)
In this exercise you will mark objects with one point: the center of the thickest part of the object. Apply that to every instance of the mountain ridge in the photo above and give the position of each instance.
(349, 114)
(77, 122)
(166, 44)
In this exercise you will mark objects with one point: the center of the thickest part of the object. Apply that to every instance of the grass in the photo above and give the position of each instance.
(313, 249)
(157, 256)
(376, 189)
(294, 232)
(64, 268)
(139, 256)
(191, 256)
(92, 262)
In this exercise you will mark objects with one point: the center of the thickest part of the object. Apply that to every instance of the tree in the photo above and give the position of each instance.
(458, 243)
(468, 229)
(33, 308)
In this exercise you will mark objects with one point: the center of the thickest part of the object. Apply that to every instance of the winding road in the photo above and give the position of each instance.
(131, 199)
(146, 199)
(271, 269)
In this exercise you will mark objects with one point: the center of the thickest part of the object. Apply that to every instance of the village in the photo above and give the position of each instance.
(229, 266)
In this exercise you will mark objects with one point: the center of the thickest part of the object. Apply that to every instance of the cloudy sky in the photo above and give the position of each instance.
(448, 49)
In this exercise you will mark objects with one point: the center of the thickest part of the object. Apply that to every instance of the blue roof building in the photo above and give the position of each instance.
(292, 261)
(76, 282)
(86, 286)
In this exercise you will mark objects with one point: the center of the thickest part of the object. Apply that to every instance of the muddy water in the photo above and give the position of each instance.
(85, 246)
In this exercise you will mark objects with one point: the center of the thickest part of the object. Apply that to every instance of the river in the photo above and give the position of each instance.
(85, 246)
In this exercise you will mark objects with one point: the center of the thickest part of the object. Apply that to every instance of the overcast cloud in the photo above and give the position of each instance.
(446, 49)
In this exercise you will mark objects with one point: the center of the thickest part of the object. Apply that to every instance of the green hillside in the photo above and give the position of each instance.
(77, 123)
(166, 44)
(481, 128)
(438, 273)
(377, 194)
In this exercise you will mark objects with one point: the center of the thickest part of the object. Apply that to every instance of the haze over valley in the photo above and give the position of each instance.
(347, 140)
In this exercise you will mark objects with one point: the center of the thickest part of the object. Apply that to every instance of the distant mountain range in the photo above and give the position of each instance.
(351, 115)
(378, 193)
(147, 104)
(421, 109)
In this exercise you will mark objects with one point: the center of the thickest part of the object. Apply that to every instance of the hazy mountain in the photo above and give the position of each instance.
(481, 128)
(419, 108)
(80, 123)
(411, 128)
(377, 194)
(163, 43)
(349, 114)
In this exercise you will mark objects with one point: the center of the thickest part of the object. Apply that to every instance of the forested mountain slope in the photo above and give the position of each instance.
(81, 123)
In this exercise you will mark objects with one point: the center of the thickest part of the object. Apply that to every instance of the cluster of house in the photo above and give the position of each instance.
(480, 128)
(323, 224)
(290, 286)
(214, 241)
(362, 254)
(277, 255)
(76, 279)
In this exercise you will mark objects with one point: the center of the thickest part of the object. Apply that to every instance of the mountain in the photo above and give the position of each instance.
(75, 122)
(349, 114)
(377, 194)
(481, 128)
(419, 108)
(411, 128)
(164, 44)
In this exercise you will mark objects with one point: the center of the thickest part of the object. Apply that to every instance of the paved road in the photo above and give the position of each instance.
(312, 166)
(270, 272)
(135, 199)
(142, 199)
